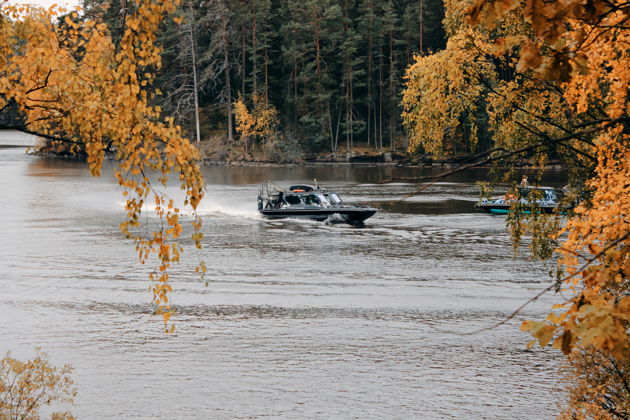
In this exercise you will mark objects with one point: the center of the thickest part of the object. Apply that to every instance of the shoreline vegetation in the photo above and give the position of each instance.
(363, 156)
(397, 161)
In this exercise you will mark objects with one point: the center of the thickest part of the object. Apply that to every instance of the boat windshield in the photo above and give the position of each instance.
(312, 199)
(547, 194)
(323, 200)
(550, 195)
(334, 198)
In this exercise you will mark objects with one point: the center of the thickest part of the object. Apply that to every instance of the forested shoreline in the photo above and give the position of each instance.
(326, 74)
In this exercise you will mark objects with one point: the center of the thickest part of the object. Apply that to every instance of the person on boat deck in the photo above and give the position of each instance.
(524, 182)
(280, 200)
(312, 200)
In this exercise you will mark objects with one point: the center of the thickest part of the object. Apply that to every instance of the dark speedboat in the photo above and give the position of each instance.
(526, 199)
(308, 202)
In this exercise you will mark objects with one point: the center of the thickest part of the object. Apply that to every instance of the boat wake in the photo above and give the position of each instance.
(212, 207)
(209, 207)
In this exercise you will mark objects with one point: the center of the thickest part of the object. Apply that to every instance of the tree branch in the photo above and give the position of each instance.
(491, 159)
(545, 136)
(36, 88)
(46, 136)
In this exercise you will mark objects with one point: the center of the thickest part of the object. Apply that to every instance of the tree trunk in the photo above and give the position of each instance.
(194, 71)
(421, 18)
(380, 102)
(295, 91)
(392, 88)
(337, 130)
(347, 64)
(228, 88)
(254, 58)
(332, 138)
(369, 102)
(243, 62)
(266, 73)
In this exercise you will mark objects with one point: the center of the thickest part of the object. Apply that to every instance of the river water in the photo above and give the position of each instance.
(299, 319)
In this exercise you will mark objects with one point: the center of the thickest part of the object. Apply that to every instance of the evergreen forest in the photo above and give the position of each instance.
(330, 71)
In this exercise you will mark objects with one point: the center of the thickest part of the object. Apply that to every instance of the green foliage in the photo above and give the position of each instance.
(283, 148)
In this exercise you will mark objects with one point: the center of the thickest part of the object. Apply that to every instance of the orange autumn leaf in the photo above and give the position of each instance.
(94, 96)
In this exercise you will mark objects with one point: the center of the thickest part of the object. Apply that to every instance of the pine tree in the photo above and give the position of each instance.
(391, 68)
(332, 68)
(311, 41)
(218, 61)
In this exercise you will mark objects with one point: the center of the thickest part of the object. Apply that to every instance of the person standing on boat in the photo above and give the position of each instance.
(280, 200)
(524, 182)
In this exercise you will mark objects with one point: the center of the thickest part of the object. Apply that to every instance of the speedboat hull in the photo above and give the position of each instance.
(309, 202)
(352, 215)
(497, 208)
(525, 199)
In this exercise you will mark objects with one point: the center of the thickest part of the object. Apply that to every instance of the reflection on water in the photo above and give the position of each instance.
(300, 319)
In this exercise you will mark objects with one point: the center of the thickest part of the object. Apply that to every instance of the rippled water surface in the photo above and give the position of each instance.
(299, 320)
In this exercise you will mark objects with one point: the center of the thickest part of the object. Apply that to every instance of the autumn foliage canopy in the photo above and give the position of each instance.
(76, 85)
(585, 47)
(550, 77)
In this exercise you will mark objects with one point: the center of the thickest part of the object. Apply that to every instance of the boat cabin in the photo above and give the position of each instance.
(319, 199)
(545, 199)
(538, 193)
(302, 188)
(308, 202)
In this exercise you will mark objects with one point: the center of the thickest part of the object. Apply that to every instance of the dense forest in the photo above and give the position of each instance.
(330, 72)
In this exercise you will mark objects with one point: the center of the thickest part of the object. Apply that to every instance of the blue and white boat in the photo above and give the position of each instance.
(525, 199)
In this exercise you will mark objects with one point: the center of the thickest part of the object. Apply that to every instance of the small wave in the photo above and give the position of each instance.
(207, 209)
(212, 209)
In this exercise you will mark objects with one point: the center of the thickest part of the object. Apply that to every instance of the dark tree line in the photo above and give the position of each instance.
(332, 68)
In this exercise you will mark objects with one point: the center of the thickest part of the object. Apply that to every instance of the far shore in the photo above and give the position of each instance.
(394, 164)
(382, 160)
